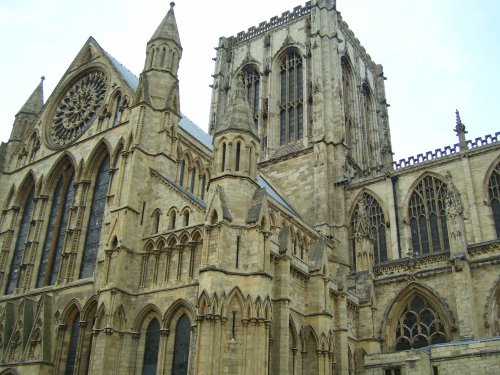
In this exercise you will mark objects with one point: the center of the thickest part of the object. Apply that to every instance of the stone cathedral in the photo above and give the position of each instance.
(285, 241)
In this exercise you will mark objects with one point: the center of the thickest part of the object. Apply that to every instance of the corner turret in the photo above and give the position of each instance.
(27, 114)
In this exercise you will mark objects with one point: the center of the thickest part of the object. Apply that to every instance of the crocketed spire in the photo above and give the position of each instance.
(35, 102)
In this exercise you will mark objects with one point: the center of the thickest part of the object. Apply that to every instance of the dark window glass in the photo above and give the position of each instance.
(95, 221)
(116, 117)
(58, 223)
(151, 347)
(22, 236)
(238, 150)
(494, 194)
(193, 176)
(181, 346)
(73, 346)
(429, 232)
(181, 174)
(223, 164)
(203, 183)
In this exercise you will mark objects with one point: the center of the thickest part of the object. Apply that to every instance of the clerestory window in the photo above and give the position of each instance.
(494, 195)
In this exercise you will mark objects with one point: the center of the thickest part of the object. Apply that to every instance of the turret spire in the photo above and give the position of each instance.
(460, 130)
(167, 29)
(28, 113)
(35, 102)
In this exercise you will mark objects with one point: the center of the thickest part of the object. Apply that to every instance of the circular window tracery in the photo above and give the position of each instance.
(77, 108)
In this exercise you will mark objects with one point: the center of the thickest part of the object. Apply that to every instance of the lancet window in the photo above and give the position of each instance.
(419, 325)
(429, 232)
(291, 98)
(73, 346)
(22, 236)
(151, 347)
(117, 114)
(95, 221)
(494, 195)
(348, 98)
(56, 230)
(181, 346)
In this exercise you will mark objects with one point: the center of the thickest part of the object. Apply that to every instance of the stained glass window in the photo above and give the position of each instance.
(58, 223)
(378, 228)
(22, 236)
(494, 193)
(73, 346)
(419, 326)
(292, 98)
(429, 231)
(251, 80)
(151, 347)
(95, 221)
(181, 346)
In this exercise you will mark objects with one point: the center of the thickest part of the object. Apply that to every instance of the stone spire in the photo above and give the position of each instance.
(238, 116)
(27, 114)
(460, 130)
(167, 30)
(35, 102)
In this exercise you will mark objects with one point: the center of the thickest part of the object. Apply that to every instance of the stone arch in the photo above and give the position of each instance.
(418, 179)
(236, 295)
(115, 157)
(119, 319)
(100, 151)
(144, 316)
(101, 316)
(88, 311)
(65, 161)
(185, 215)
(10, 195)
(172, 218)
(399, 304)
(175, 312)
(203, 303)
(310, 345)
(28, 183)
(70, 307)
(155, 221)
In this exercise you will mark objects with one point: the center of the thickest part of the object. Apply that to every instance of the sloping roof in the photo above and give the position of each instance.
(198, 133)
(275, 195)
(127, 75)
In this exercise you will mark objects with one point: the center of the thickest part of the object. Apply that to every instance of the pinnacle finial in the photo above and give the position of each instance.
(172, 4)
(460, 130)
(43, 78)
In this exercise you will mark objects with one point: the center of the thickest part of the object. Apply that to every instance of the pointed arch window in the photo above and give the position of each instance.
(95, 222)
(494, 195)
(238, 152)
(223, 163)
(429, 231)
(419, 325)
(163, 54)
(251, 81)
(56, 229)
(181, 173)
(22, 236)
(291, 98)
(203, 186)
(348, 99)
(152, 344)
(193, 180)
(73, 346)
(117, 114)
(181, 346)
(378, 226)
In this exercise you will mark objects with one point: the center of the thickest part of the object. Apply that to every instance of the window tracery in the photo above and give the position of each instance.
(429, 231)
(22, 236)
(56, 229)
(419, 325)
(251, 80)
(377, 226)
(494, 195)
(291, 98)
(95, 221)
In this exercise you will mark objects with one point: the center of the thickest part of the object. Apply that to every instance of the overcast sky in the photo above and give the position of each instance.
(438, 55)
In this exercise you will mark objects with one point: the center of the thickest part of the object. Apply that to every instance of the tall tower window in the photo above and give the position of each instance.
(56, 229)
(347, 92)
(494, 193)
(181, 173)
(73, 346)
(429, 232)
(22, 236)
(95, 221)
(223, 163)
(251, 81)
(203, 186)
(291, 98)
(238, 151)
(116, 117)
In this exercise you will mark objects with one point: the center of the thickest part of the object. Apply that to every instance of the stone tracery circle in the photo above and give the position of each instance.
(78, 108)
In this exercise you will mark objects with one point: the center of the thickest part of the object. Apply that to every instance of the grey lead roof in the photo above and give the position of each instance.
(127, 75)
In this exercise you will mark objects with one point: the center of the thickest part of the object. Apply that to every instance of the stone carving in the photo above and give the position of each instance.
(78, 108)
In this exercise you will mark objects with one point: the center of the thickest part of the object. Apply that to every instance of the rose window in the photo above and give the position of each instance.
(78, 108)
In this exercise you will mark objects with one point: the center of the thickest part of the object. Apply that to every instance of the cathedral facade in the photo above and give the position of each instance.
(285, 241)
